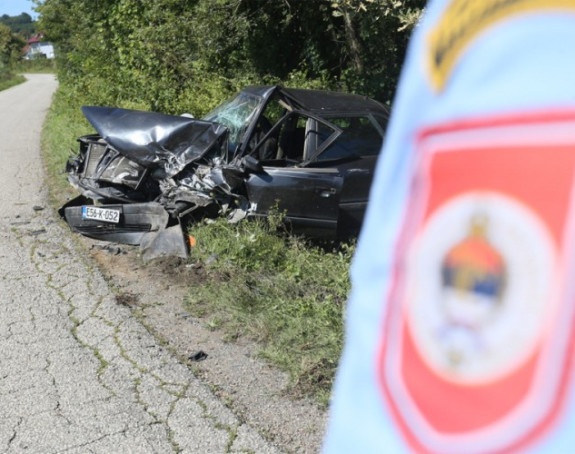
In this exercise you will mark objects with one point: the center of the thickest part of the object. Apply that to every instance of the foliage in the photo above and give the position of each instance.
(376, 33)
(63, 124)
(10, 46)
(279, 290)
(36, 65)
(187, 55)
(140, 54)
(358, 44)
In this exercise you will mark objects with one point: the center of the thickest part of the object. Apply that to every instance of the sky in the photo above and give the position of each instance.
(17, 7)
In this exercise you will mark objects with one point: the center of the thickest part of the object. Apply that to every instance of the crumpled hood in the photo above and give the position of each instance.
(155, 140)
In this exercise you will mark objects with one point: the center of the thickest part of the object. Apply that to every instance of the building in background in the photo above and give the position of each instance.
(36, 47)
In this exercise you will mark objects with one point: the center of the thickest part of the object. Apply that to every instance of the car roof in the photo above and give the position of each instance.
(322, 101)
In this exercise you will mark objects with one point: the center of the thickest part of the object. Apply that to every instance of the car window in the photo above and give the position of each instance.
(274, 110)
(294, 139)
(272, 113)
(360, 137)
(316, 134)
(381, 121)
(291, 138)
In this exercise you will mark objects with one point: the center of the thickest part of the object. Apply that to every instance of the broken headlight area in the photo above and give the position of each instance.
(102, 163)
(103, 174)
(158, 225)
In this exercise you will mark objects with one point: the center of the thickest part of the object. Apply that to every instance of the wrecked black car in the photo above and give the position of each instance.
(144, 176)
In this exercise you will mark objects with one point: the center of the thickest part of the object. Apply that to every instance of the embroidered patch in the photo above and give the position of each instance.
(464, 20)
(481, 262)
(477, 342)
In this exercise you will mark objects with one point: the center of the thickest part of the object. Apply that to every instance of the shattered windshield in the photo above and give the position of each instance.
(235, 114)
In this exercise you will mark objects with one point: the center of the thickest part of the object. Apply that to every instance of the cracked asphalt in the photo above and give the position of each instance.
(78, 372)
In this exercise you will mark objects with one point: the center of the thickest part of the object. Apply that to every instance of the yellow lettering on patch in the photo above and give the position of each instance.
(464, 20)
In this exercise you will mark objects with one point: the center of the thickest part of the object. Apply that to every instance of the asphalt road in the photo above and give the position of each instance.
(78, 373)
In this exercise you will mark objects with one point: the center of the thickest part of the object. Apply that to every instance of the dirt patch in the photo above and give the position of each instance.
(254, 390)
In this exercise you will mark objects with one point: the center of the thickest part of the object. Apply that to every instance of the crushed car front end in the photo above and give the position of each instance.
(142, 174)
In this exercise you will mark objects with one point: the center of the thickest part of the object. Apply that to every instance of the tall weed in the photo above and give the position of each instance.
(38, 65)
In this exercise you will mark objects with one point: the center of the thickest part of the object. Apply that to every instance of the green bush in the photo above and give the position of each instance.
(179, 56)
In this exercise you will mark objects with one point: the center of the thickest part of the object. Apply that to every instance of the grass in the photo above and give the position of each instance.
(38, 65)
(10, 80)
(278, 290)
(254, 281)
(64, 124)
(11, 76)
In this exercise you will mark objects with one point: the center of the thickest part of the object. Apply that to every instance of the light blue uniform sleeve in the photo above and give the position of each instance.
(525, 62)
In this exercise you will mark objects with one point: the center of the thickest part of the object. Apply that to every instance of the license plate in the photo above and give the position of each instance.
(101, 214)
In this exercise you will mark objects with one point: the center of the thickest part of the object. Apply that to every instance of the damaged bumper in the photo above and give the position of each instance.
(146, 224)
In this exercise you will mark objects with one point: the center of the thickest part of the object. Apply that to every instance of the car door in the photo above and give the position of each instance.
(308, 195)
(357, 176)
(354, 153)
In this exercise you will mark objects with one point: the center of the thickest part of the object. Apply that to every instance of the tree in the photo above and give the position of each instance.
(10, 46)
(184, 55)
(21, 25)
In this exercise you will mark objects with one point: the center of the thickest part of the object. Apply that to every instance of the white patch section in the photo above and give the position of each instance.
(461, 337)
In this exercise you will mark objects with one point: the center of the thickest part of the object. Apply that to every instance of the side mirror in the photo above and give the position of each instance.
(252, 165)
